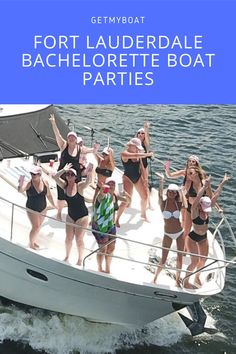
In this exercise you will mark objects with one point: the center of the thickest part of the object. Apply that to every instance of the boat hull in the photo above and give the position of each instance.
(31, 279)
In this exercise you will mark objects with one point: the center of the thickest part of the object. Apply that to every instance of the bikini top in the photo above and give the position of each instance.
(199, 221)
(103, 171)
(169, 214)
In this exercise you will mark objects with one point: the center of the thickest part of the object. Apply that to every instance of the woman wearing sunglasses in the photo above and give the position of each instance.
(105, 168)
(173, 231)
(132, 177)
(77, 218)
(194, 176)
(37, 191)
(70, 153)
(197, 239)
(144, 137)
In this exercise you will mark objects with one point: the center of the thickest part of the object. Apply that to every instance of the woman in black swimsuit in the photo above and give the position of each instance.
(77, 210)
(37, 190)
(70, 153)
(131, 160)
(143, 135)
(197, 242)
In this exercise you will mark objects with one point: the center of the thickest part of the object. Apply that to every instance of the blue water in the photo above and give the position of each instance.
(176, 132)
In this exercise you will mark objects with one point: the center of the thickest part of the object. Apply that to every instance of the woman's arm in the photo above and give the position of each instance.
(160, 190)
(112, 160)
(61, 183)
(84, 184)
(175, 174)
(23, 186)
(125, 155)
(201, 191)
(61, 142)
(49, 195)
(219, 189)
(147, 136)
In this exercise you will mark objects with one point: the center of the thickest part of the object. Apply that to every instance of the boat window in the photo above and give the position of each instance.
(37, 275)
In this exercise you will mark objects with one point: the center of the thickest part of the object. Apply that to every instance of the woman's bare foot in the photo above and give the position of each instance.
(117, 223)
(33, 246)
(197, 281)
(59, 217)
(189, 286)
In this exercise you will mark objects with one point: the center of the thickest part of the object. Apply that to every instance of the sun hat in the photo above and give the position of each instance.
(136, 142)
(205, 203)
(106, 150)
(72, 170)
(72, 134)
(173, 187)
(110, 179)
(36, 170)
(141, 130)
(194, 157)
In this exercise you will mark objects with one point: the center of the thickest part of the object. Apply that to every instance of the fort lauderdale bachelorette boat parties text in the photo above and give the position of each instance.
(75, 51)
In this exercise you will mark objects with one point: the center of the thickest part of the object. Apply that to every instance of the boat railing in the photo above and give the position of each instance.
(222, 263)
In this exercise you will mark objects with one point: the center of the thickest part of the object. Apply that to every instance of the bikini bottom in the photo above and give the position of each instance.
(175, 235)
(197, 238)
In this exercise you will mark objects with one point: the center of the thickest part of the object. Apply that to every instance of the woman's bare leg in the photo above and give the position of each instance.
(142, 191)
(179, 261)
(128, 187)
(203, 249)
(69, 237)
(36, 221)
(192, 248)
(108, 257)
(79, 237)
(167, 242)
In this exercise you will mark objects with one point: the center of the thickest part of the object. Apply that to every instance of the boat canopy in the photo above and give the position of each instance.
(26, 130)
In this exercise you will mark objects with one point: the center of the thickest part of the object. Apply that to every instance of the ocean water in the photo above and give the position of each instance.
(177, 131)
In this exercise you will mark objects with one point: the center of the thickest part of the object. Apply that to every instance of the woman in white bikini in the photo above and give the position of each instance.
(171, 210)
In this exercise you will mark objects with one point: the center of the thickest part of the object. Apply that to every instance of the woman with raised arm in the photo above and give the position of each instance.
(171, 208)
(37, 190)
(77, 218)
(132, 177)
(143, 135)
(70, 153)
(105, 168)
(192, 161)
(197, 240)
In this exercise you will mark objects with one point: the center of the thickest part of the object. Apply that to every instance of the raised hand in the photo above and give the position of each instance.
(52, 117)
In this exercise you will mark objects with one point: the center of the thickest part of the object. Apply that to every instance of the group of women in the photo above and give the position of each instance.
(186, 216)
(185, 209)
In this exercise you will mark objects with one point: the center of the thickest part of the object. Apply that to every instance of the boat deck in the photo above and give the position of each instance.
(131, 256)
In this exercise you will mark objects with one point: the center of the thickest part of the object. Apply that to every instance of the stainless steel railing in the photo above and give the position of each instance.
(212, 260)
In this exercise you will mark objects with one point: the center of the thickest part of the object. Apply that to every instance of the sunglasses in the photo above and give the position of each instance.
(192, 161)
(34, 174)
(70, 174)
(141, 133)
